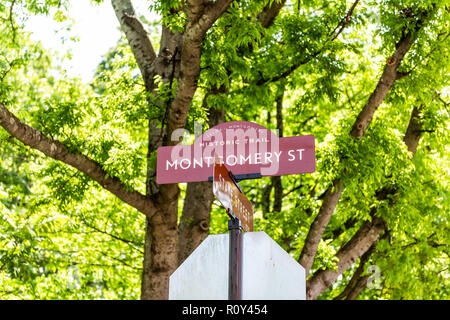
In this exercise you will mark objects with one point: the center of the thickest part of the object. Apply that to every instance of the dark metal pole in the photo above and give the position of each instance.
(235, 262)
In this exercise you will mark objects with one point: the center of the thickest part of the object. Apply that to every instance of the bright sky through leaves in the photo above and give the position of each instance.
(93, 32)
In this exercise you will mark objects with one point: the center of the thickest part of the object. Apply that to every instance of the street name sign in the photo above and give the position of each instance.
(231, 197)
(246, 148)
(232, 149)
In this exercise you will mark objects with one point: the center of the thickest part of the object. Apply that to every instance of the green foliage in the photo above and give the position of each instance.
(63, 237)
(173, 16)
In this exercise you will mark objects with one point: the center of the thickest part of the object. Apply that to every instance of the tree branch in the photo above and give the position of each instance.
(368, 234)
(414, 130)
(387, 79)
(56, 150)
(131, 243)
(361, 283)
(319, 224)
(137, 38)
(364, 238)
(11, 19)
(389, 76)
(202, 14)
(343, 23)
(363, 120)
(438, 95)
(276, 180)
(354, 281)
(213, 11)
(200, 18)
(270, 12)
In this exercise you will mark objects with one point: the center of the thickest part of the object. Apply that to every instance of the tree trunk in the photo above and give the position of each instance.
(161, 260)
(195, 219)
(161, 235)
(194, 222)
(276, 180)
(179, 58)
(160, 250)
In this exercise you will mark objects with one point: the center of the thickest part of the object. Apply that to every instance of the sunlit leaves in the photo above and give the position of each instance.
(63, 236)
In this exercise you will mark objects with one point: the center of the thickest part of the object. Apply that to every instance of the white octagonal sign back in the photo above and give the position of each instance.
(268, 272)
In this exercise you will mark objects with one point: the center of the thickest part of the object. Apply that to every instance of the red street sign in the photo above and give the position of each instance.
(231, 197)
(245, 147)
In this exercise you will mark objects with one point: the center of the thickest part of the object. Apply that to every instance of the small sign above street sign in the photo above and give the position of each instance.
(231, 197)
(248, 149)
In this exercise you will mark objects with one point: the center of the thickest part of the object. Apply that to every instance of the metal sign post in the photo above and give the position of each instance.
(235, 259)
(240, 211)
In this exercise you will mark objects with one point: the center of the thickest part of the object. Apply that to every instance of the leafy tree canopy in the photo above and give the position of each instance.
(310, 69)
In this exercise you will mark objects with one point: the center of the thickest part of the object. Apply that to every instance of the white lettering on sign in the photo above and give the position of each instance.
(232, 160)
(230, 142)
(245, 147)
(291, 154)
(172, 164)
